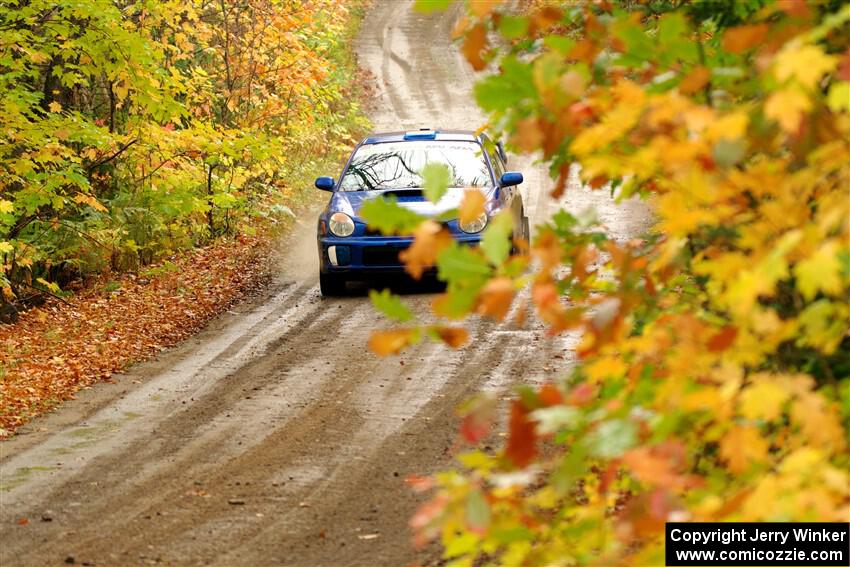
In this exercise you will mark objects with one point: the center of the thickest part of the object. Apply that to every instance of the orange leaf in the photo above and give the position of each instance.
(384, 343)
(496, 298)
(723, 339)
(547, 17)
(419, 483)
(528, 136)
(473, 45)
(695, 80)
(482, 8)
(585, 50)
(429, 239)
(561, 184)
(522, 436)
(741, 38)
(741, 447)
(455, 337)
(659, 465)
(547, 249)
(472, 205)
(550, 395)
(23, 521)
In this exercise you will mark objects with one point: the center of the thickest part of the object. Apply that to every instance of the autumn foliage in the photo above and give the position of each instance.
(713, 380)
(134, 129)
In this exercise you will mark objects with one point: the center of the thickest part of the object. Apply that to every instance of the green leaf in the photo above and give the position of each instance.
(386, 215)
(462, 264)
(429, 6)
(459, 299)
(513, 27)
(477, 510)
(612, 438)
(496, 241)
(390, 305)
(435, 181)
(729, 152)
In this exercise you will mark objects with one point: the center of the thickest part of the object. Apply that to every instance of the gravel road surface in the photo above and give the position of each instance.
(273, 437)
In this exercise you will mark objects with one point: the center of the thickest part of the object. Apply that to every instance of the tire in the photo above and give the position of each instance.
(331, 285)
(523, 234)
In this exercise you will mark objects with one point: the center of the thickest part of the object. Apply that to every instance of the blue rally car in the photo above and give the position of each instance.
(389, 164)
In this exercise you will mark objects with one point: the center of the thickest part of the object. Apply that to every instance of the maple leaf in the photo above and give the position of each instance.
(695, 80)
(723, 339)
(455, 337)
(804, 63)
(743, 447)
(384, 343)
(787, 107)
(482, 8)
(522, 436)
(820, 271)
(652, 468)
(742, 38)
(6, 206)
(763, 400)
(429, 239)
(472, 205)
(473, 45)
(476, 418)
(55, 107)
(496, 297)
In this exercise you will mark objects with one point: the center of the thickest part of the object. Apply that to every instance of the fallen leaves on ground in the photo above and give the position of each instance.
(55, 350)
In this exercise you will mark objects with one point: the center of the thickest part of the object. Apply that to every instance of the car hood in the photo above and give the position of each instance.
(350, 202)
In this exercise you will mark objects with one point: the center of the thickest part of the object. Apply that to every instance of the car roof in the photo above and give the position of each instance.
(422, 134)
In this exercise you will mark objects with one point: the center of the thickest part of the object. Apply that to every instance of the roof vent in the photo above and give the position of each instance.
(423, 134)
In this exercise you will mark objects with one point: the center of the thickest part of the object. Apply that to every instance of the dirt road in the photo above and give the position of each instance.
(273, 437)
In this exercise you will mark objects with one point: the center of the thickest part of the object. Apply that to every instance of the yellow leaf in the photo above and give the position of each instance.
(787, 107)
(805, 63)
(6, 248)
(90, 201)
(818, 422)
(6, 206)
(763, 400)
(820, 271)
(605, 367)
(472, 205)
(55, 107)
(742, 447)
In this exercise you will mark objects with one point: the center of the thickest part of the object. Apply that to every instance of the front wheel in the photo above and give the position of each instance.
(524, 234)
(331, 285)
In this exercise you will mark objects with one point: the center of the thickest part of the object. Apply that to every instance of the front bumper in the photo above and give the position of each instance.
(366, 255)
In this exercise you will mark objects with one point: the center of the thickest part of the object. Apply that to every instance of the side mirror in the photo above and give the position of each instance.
(325, 183)
(511, 178)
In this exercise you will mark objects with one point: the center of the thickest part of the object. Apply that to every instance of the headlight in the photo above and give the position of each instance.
(475, 226)
(341, 224)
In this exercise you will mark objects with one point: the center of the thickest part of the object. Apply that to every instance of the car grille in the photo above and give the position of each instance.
(382, 255)
(375, 232)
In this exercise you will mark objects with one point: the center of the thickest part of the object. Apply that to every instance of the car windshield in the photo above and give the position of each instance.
(396, 165)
